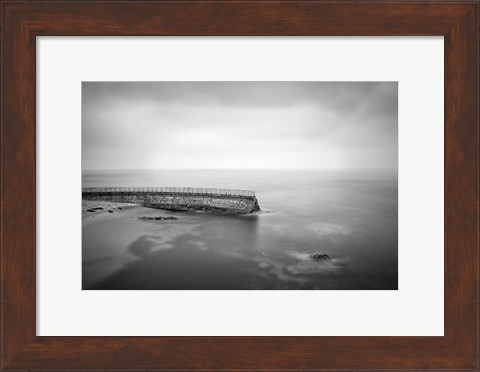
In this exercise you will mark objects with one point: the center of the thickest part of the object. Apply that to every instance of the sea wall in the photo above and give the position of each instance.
(179, 201)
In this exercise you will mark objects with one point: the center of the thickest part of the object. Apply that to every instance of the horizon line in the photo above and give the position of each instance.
(233, 169)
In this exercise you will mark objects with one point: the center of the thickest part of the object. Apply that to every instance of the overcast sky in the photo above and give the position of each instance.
(139, 125)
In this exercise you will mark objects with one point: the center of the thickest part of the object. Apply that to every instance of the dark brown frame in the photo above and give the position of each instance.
(22, 21)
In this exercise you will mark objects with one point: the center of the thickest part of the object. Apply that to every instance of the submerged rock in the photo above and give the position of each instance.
(158, 218)
(110, 211)
(320, 256)
(322, 266)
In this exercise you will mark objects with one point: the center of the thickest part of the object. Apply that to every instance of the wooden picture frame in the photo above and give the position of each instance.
(23, 21)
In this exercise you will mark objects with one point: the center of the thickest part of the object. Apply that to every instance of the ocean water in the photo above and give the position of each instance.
(350, 215)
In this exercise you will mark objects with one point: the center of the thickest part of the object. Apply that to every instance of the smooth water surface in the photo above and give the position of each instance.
(349, 215)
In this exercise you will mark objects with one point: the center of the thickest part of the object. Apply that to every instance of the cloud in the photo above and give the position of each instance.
(129, 125)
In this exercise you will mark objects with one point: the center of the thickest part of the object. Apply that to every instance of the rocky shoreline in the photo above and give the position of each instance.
(95, 207)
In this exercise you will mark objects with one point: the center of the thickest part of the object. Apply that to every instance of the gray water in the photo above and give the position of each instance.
(350, 215)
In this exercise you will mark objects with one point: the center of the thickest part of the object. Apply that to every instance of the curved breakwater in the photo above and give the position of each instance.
(176, 198)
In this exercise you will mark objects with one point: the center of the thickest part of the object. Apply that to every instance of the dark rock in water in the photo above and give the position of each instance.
(320, 256)
(90, 210)
(159, 218)
(110, 211)
(120, 208)
(98, 208)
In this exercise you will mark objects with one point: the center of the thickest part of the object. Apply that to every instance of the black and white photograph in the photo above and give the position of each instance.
(239, 185)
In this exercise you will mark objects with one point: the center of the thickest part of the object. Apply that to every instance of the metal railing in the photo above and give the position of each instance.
(173, 190)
